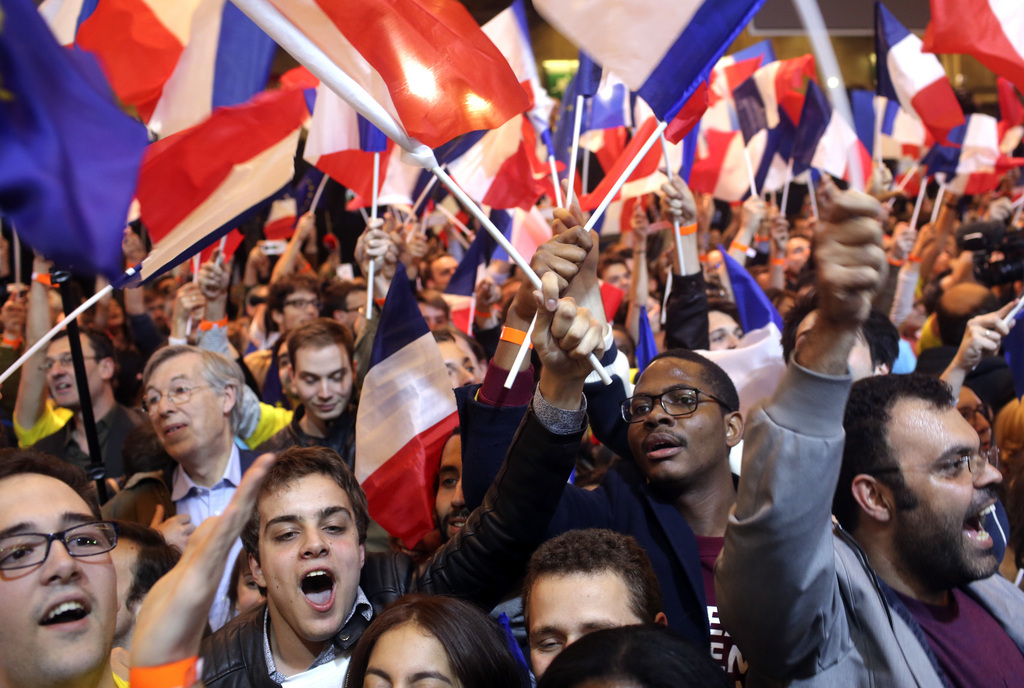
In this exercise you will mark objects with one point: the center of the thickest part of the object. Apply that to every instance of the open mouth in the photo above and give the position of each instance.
(662, 446)
(318, 587)
(974, 527)
(171, 429)
(65, 612)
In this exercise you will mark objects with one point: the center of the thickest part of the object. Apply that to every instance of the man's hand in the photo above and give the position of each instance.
(564, 338)
(213, 279)
(677, 203)
(133, 248)
(851, 267)
(189, 303)
(176, 529)
(982, 337)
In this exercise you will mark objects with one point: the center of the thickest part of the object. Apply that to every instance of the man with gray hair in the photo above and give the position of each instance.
(193, 397)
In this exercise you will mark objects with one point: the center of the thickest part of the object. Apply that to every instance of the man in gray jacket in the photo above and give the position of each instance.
(904, 591)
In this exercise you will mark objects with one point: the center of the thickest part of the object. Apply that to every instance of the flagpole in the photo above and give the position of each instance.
(876, 148)
(516, 257)
(373, 219)
(571, 172)
(750, 170)
(810, 15)
(319, 193)
(813, 195)
(785, 189)
(517, 363)
(423, 196)
(596, 215)
(554, 180)
(676, 236)
(16, 252)
(906, 177)
(918, 203)
(938, 202)
(585, 182)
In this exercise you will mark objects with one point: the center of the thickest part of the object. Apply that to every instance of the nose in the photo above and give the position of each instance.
(325, 388)
(988, 475)
(59, 566)
(658, 416)
(314, 543)
(458, 501)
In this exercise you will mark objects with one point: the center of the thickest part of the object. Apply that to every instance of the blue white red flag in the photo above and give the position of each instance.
(281, 219)
(525, 230)
(644, 179)
(1011, 116)
(173, 60)
(913, 78)
(825, 141)
(867, 109)
(646, 348)
(728, 73)
(341, 143)
(199, 183)
(663, 51)
(990, 30)
(722, 170)
(461, 290)
(975, 165)
(755, 308)
(406, 414)
(426, 62)
(70, 157)
(501, 169)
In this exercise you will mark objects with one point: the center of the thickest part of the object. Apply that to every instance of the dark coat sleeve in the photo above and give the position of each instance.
(686, 313)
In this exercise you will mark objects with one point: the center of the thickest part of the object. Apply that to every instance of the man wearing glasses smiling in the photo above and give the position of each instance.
(58, 595)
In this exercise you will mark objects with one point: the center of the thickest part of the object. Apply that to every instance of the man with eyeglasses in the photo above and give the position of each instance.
(902, 591)
(192, 397)
(48, 411)
(292, 300)
(58, 597)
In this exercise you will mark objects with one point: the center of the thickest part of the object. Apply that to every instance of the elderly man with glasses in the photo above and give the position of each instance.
(58, 597)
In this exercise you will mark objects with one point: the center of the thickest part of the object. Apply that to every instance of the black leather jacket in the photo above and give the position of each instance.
(479, 564)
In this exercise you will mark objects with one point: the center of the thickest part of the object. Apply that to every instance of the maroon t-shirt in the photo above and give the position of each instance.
(723, 651)
(970, 646)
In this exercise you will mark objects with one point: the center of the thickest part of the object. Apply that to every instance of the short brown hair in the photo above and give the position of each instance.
(294, 464)
(21, 461)
(283, 287)
(318, 334)
(593, 551)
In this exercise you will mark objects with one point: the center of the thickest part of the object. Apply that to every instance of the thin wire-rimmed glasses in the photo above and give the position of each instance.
(178, 395)
(84, 540)
(679, 402)
(975, 464)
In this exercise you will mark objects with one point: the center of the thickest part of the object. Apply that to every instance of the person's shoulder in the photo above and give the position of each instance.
(233, 655)
(386, 576)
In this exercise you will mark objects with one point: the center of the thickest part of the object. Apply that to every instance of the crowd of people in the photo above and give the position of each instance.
(851, 514)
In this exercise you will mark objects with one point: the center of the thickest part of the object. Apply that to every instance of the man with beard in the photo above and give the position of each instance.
(902, 591)
(450, 512)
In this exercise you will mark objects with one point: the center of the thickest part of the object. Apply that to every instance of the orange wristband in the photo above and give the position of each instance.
(737, 246)
(484, 314)
(781, 262)
(914, 259)
(688, 230)
(703, 257)
(206, 325)
(181, 674)
(895, 263)
(513, 336)
(42, 278)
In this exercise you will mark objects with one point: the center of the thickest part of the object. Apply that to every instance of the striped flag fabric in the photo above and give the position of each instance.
(825, 140)
(406, 414)
(281, 218)
(975, 165)
(199, 183)
(663, 51)
(646, 348)
(70, 157)
(644, 179)
(461, 290)
(426, 62)
(341, 143)
(722, 171)
(989, 30)
(912, 77)
(501, 169)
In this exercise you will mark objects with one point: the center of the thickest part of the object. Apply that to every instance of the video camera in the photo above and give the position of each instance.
(985, 238)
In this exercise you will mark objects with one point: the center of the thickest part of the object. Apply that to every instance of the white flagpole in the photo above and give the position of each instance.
(938, 202)
(319, 193)
(585, 182)
(785, 189)
(554, 180)
(750, 170)
(423, 196)
(658, 131)
(918, 203)
(16, 253)
(516, 257)
(520, 355)
(373, 218)
(876, 151)
(571, 172)
(814, 198)
(675, 223)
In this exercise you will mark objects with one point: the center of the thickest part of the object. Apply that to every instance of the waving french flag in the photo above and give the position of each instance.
(501, 170)
(406, 414)
(990, 30)
(825, 140)
(460, 294)
(663, 51)
(975, 165)
(728, 73)
(197, 184)
(912, 77)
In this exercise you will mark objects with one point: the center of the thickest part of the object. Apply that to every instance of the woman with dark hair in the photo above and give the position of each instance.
(420, 637)
(648, 656)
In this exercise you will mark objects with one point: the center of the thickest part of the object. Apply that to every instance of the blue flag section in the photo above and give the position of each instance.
(813, 120)
(1013, 346)
(588, 76)
(646, 348)
(463, 281)
(70, 157)
(244, 57)
(400, 320)
(756, 309)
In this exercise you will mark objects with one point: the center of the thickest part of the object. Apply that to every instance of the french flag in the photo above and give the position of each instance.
(406, 414)
(663, 51)
(460, 294)
(728, 73)
(525, 230)
(976, 165)
(197, 184)
(1011, 116)
(342, 143)
(173, 60)
(913, 78)
(722, 170)
(990, 30)
(644, 179)
(826, 141)
(426, 62)
(501, 170)
(281, 219)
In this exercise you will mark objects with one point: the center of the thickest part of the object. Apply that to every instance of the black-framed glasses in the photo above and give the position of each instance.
(178, 395)
(679, 402)
(975, 464)
(303, 303)
(30, 549)
(65, 361)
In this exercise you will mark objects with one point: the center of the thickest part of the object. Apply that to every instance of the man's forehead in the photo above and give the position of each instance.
(918, 427)
(305, 356)
(304, 497)
(669, 372)
(185, 366)
(40, 502)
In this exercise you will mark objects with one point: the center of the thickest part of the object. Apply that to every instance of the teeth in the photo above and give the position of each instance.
(65, 607)
(316, 573)
(985, 513)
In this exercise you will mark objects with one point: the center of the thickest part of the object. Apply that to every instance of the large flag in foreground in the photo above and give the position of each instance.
(429, 64)
(661, 50)
(990, 30)
(914, 78)
(70, 158)
(199, 183)
(406, 415)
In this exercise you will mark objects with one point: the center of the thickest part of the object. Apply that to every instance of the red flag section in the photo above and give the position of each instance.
(989, 30)
(647, 167)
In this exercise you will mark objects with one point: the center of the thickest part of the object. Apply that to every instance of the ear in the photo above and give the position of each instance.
(257, 572)
(277, 317)
(661, 619)
(882, 369)
(733, 428)
(362, 556)
(230, 399)
(873, 497)
(337, 315)
(107, 368)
